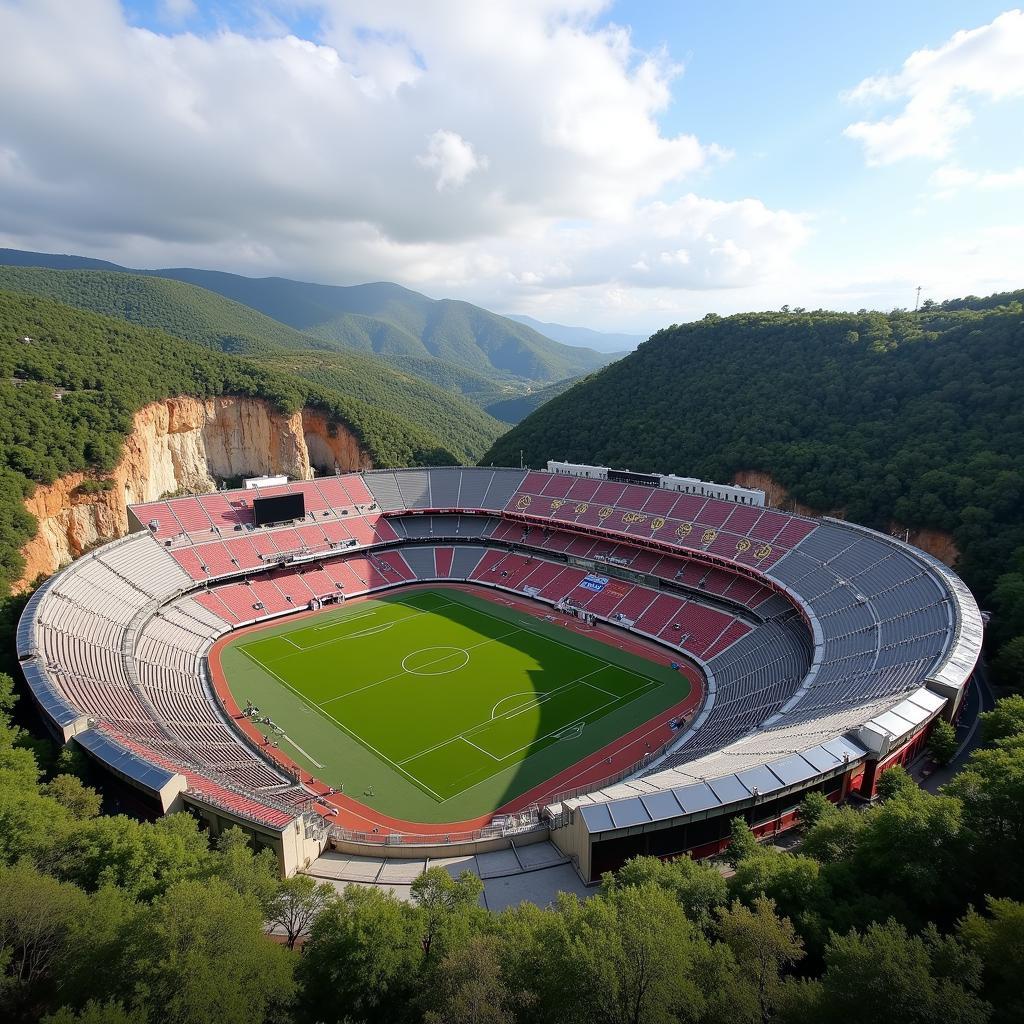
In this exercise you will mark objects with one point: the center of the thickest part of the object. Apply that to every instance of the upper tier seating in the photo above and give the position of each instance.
(755, 537)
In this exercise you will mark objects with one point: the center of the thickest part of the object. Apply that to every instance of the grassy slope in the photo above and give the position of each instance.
(437, 701)
(392, 320)
(195, 314)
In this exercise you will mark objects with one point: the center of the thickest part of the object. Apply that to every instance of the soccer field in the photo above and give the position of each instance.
(437, 705)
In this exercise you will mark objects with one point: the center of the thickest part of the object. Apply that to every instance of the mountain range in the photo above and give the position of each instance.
(382, 319)
(601, 341)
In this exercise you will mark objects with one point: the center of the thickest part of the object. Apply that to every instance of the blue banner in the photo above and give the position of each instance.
(595, 583)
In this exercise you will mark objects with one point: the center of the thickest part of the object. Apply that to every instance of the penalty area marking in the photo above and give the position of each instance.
(535, 697)
(460, 654)
(346, 618)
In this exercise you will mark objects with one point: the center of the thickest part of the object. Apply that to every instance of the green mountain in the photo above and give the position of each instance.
(512, 410)
(195, 314)
(461, 427)
(173, 306)
(69, 392)
(391, 320)
(909, 417)
(381, 318)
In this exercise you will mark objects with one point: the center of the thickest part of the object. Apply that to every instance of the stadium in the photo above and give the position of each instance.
(411, 661)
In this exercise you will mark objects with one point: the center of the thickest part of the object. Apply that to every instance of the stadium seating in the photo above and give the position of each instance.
(795, 620)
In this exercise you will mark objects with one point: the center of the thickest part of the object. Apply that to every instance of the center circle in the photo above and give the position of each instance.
(435, 661)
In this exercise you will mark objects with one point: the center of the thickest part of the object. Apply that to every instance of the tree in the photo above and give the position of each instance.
(248, 872)
(792, 882)
(95, 1012)
(990, 789)
(445, 903)
(144, 858)
(814, 808)
(743, 842)
(198, 953)
(69, 792)
(942, 741)
(885, 973)
(1006, 719)
(95, 968)
(998, 940)
(698, 888)
(765, 947)
(38, 915)
(834, 837)
(629, 957)
(911, 854)
(361, 960)
(1008, 664)
(471, 987)
(297, 903)
(32, 826)
(895, 781)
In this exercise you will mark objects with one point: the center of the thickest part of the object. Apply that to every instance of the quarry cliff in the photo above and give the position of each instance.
(180, 444)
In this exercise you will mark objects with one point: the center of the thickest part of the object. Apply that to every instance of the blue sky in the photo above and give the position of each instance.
(617, 166)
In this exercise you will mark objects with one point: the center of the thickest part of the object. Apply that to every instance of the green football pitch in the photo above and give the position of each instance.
(437, 705)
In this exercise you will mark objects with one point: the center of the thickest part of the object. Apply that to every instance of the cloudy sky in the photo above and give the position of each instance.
(615, 165)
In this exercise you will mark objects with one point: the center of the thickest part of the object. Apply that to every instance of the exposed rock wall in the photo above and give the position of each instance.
(182, 444)
(937, 543)
(778, 496)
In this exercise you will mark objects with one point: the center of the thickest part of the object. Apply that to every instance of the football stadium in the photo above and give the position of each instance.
(411, 661)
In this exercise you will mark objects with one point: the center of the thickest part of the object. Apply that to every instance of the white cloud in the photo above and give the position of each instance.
(949, 179)
(452, 157)
(690, 243)
(938, 88)
(500, 151)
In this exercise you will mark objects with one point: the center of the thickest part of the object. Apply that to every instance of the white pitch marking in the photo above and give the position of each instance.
(345, 728)
(305, 753)
(398, 675)
(435, 661)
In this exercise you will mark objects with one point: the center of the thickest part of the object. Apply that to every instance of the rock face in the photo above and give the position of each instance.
(181, 444)
(937, 543)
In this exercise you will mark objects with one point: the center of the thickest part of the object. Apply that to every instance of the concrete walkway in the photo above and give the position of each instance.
(531, 874)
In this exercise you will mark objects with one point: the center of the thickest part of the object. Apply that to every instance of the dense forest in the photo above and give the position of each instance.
(907, 911)
(382, 318)
(68, 394)
(908, 418)
(194, 314)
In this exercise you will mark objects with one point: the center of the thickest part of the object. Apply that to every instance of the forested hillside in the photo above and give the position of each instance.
(68, 394)
(915, 418)
(381, 318)
(183, 310)
(462, 427)
(906, 911)
(410, 324)
(195, 314)
(512, 410)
